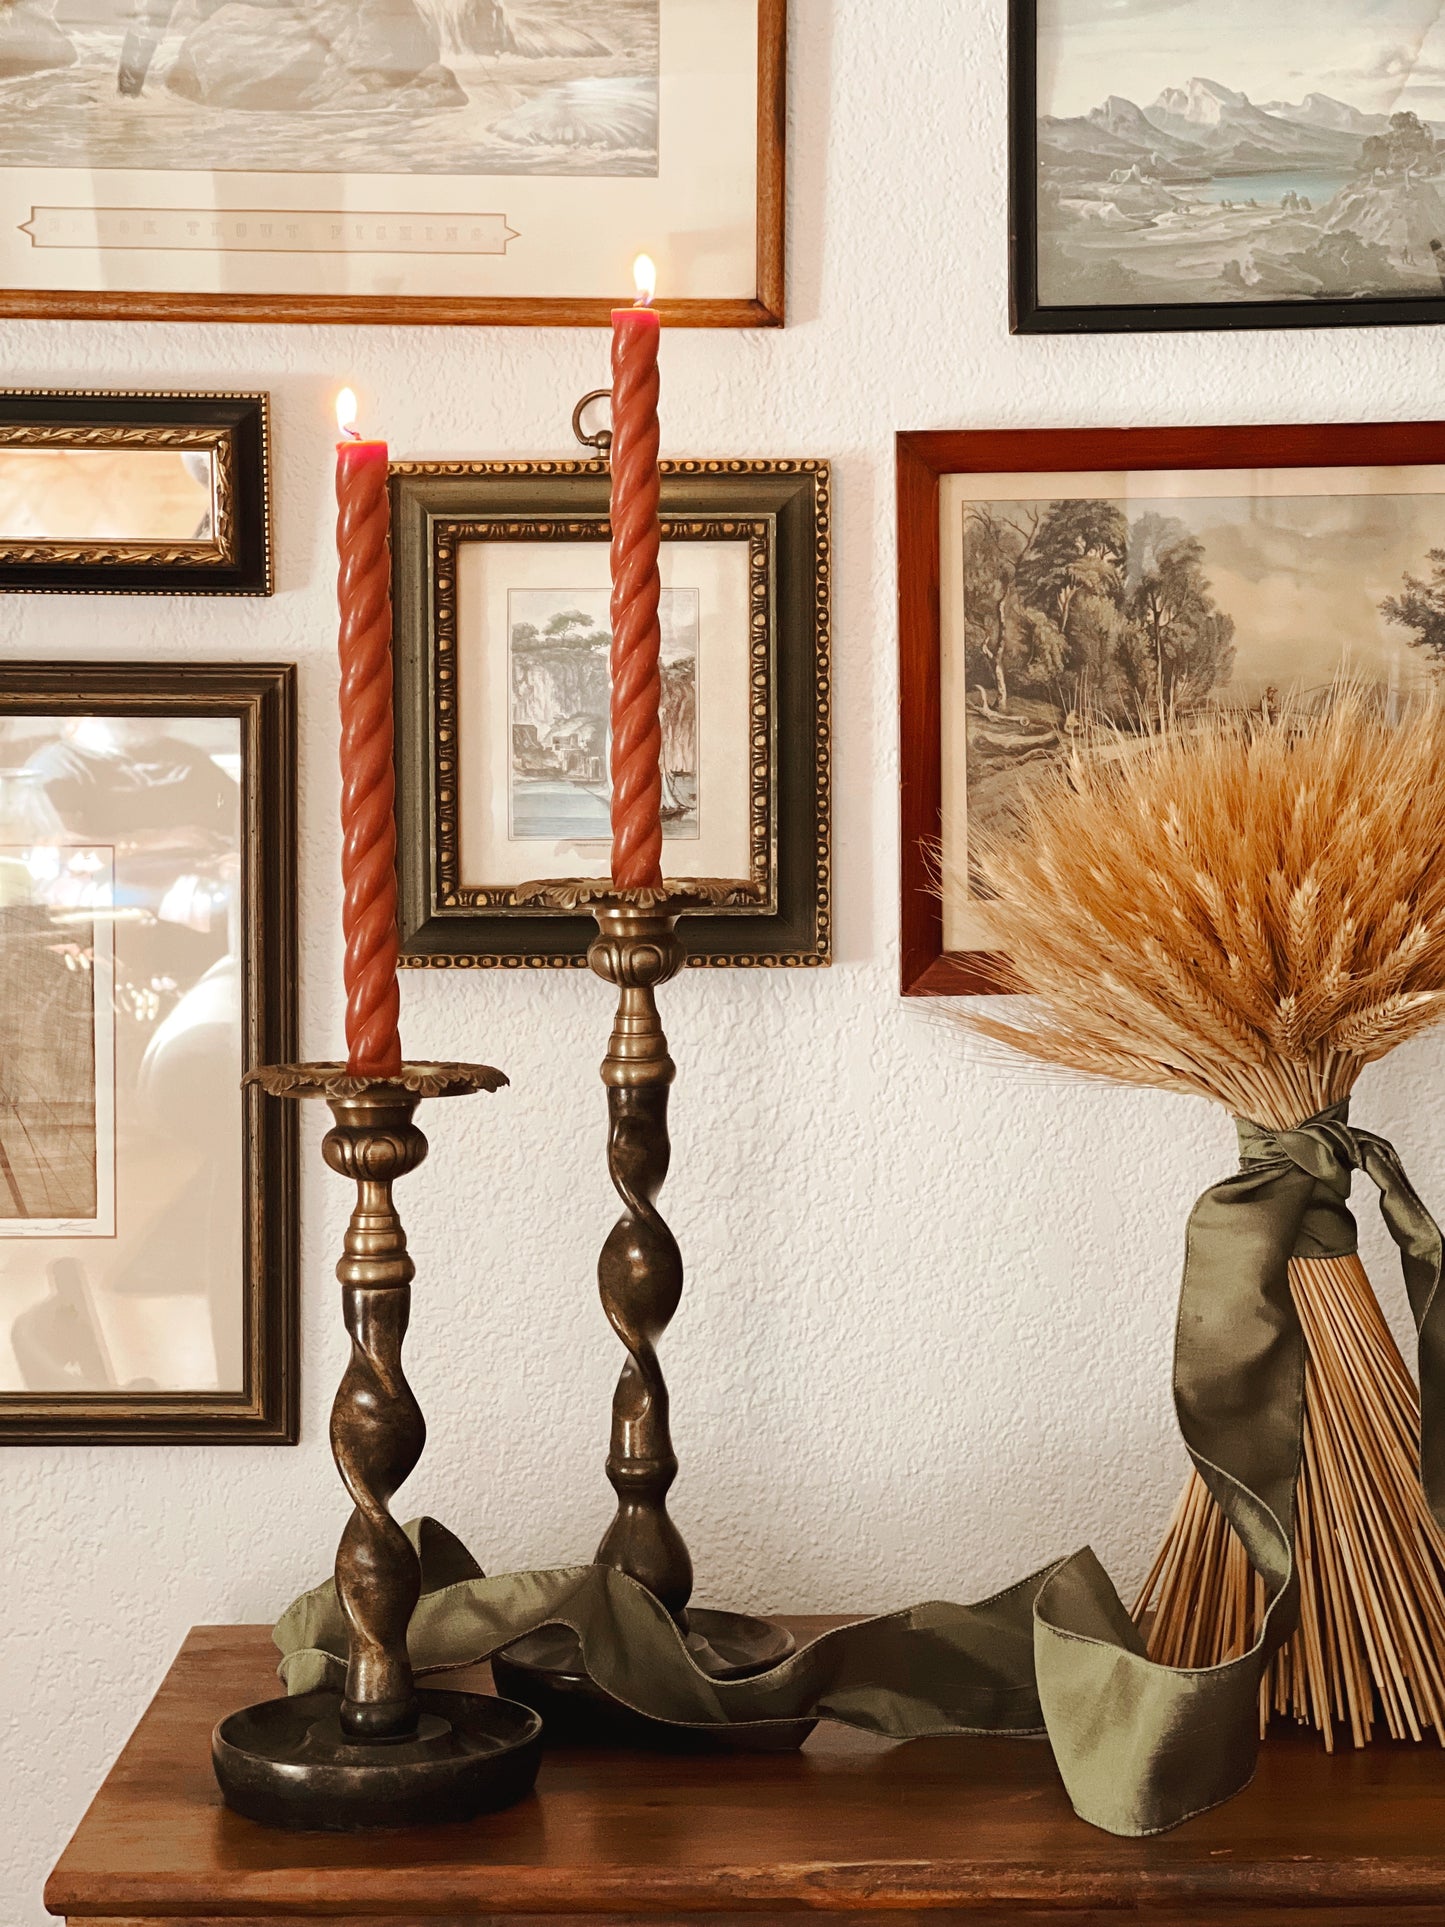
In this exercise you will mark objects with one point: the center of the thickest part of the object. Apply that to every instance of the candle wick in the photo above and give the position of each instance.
(354, 432)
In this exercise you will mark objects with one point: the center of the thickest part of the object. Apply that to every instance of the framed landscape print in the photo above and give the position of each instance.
(502, 637)
(391, 160)
(1227, 163)
(1056, 582)
(148, 940)
(143, 494)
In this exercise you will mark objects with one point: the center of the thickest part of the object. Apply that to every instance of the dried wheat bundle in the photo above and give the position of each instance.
(1253, 909)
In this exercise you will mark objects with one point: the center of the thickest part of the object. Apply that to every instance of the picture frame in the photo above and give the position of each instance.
(1186, 198)
(148, 1205)
(1263, 604)
(515, 166)
(501, 597)
(135, 493)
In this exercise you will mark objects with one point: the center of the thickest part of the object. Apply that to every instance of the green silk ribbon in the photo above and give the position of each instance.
(1140, 1746)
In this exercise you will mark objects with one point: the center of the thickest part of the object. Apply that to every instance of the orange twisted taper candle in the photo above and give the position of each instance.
(368, 784)
(636, 594)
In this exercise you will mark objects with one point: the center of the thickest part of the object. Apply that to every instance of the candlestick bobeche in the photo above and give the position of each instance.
(380, 1753)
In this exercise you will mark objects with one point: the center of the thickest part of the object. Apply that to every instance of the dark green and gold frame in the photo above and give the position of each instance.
(122, 536)
(776, 911)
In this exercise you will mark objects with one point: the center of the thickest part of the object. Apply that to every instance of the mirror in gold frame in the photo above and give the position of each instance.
(134, 493)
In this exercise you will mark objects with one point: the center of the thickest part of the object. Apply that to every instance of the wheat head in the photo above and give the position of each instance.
(1248, 908)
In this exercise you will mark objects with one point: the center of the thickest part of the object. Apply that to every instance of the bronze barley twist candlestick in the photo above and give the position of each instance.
(640, 1270)
(381, 1753)
(640, 1276)
(377, 1430)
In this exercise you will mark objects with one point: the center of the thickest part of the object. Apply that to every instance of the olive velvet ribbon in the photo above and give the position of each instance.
(1140, 1747)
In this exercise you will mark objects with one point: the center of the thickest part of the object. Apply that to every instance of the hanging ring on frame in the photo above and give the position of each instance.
(601, 438)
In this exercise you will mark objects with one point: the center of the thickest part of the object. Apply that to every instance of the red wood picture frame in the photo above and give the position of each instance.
(924, 458)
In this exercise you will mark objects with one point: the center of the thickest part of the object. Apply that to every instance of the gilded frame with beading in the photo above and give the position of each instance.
(234, 557)
(776, 916)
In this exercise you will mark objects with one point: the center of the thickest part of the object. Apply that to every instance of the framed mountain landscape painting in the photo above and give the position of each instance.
(1226, 163)
(432, 161)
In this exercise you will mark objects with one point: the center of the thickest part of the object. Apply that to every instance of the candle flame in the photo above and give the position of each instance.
(644, 272)
(346, 412)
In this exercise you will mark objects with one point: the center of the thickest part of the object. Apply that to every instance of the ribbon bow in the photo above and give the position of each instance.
(1140, 1746)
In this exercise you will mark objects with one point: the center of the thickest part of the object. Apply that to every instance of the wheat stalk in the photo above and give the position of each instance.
(1252, 910)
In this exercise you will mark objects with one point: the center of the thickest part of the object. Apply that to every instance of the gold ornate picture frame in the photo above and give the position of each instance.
(501, 599)
(156, 494)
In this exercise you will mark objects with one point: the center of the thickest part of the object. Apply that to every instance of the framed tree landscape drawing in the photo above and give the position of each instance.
(1227, 163)
(391, 160)
(1071, 590)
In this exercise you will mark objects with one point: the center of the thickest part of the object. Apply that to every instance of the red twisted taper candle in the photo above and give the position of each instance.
(636, 594)
(368, 784)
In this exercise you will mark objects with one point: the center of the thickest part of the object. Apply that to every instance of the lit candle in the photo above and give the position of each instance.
(636, 593)
(368, 784)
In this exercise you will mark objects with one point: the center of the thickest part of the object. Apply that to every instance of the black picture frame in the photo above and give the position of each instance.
(1029, 316)
(261, 697)
(233, 428)
(789, 922)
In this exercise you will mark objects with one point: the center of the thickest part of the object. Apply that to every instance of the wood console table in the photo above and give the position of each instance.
(940, 1833)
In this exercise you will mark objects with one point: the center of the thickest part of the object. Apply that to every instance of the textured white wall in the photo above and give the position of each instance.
(925, 1342)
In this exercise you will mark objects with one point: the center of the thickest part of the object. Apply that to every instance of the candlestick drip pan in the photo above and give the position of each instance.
(287, 1763)
(545, 1671)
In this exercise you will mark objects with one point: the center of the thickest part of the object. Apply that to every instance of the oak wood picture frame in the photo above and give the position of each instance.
(234, 429)
(924, 458)
(1028, 315)
(783, 507)
(261, 697)
(765, 308)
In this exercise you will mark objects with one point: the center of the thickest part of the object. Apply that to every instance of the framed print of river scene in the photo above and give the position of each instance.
(1227, 163)
(391, 160)
(503, 635)
(1093, 586)
(558, 635)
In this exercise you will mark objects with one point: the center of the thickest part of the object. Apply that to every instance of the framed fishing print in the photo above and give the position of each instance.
(148, 937)
(1066, 589)
(1226, 164)
(431, 161)
(502, 604)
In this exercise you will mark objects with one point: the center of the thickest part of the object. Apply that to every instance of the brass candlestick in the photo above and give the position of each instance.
(640, 1276)
(381, 1753)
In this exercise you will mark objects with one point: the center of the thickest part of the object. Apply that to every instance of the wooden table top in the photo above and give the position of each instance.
(851, 1825)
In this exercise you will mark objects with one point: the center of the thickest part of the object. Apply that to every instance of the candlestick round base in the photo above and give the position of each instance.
(287, 1763)
(544, 1671)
